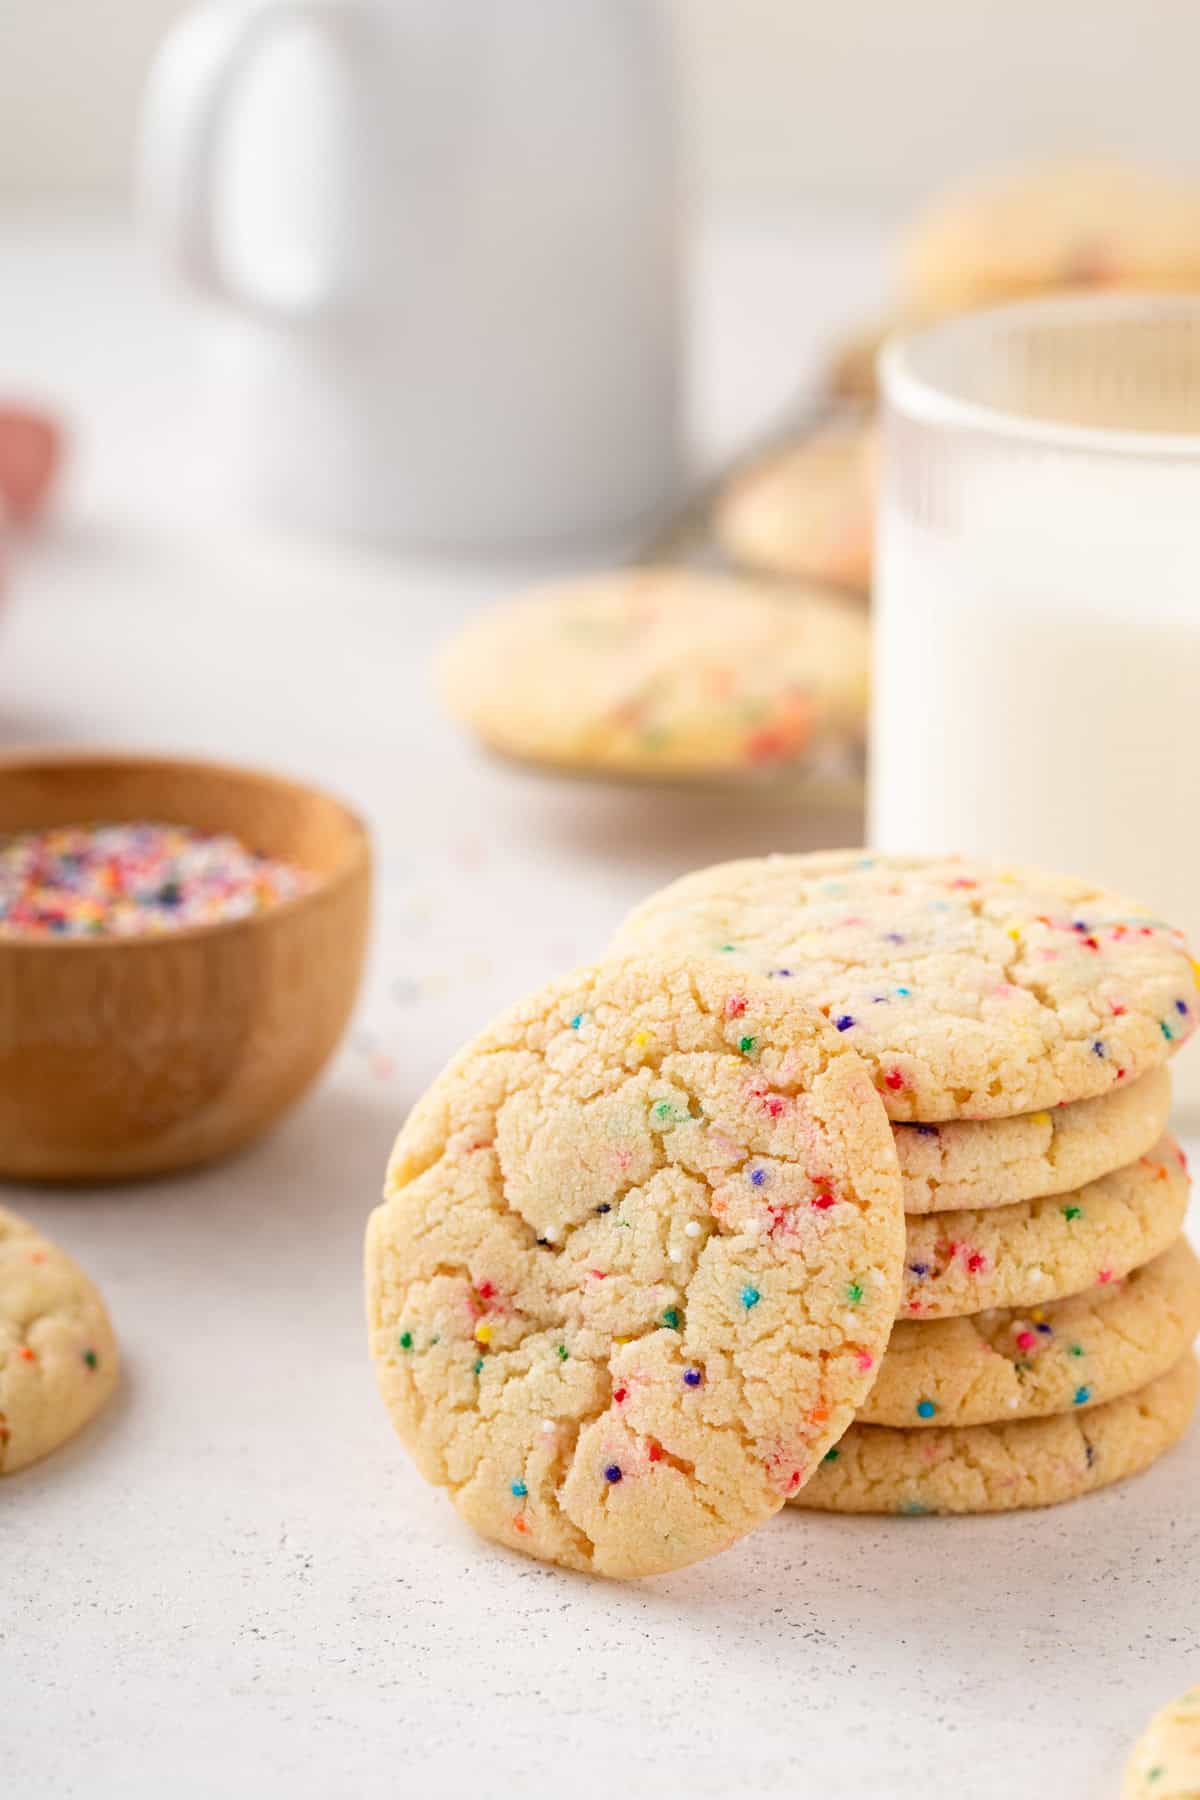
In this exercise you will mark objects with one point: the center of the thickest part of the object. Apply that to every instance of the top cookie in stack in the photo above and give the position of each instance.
(974, 992)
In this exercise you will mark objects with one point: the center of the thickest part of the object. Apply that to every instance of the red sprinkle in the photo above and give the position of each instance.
(621, 1394)
(735, 1006)
(894, 1079)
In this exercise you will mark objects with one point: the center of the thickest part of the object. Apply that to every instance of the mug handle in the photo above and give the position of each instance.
(189, 98)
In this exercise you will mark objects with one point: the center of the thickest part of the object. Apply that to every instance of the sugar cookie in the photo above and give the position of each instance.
(636, 1264)
(973, 990)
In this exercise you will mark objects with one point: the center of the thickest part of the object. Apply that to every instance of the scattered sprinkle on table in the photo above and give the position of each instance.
(133, 880)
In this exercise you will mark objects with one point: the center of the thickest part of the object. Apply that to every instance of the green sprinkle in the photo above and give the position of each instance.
(1166, 1030)
(434, 1340)
(91, 1359)
(1074, 1349)
(831, 1455)
(854, 1293)
(671, 1319)
(726, 949)
(478, 1369)
(519, 1490)
(746, 1045)
(750, 1297)
(561, 1353)
(904, 992)
(664, 1110)
(406, 1340)
(1157, 1772)
(913, 1509)
(1072, 1212)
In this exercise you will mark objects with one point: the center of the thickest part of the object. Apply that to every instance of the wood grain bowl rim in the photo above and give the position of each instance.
(353, 865)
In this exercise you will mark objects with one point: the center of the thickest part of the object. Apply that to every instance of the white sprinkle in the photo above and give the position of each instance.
(1038, 1274)
(692, 1228)
(549, 1425)
(752, 1227)
(1014, 1400)
(674, 1253)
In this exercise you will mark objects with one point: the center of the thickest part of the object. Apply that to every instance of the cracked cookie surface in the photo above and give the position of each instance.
(58, 1355)
(974, 991)
(659, 672)
(1026, 1363)
(992, 1162)
(998, 1468)
(637, 1261)
(1165, 1762)
(1038, 1250)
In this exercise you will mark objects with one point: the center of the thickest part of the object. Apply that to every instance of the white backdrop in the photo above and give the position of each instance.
(864, 101)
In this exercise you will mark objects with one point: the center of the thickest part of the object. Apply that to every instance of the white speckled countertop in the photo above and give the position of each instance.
(234, 1585)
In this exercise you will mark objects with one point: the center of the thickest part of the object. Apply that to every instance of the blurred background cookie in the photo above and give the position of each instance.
(805, 512)
(652, 672)
(1085, 222)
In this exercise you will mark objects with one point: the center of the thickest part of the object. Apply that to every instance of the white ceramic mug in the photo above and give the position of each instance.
(453, 227)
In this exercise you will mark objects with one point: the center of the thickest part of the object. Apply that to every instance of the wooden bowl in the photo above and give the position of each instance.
(124, 1057)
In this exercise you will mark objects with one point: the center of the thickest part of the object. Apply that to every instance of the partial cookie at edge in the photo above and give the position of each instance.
(58, 1355)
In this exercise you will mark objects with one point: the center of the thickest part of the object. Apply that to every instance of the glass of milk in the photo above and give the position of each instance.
(1037, 602)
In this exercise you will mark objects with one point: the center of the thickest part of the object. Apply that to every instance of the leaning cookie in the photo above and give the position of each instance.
(805, 513)
(1039, 1250)
(998, 1468)
(1165, 1764)
(973, 990)
(636, 1265)
(58, 1355)
(661, 672)
(993, 1162)
(1026, 1363)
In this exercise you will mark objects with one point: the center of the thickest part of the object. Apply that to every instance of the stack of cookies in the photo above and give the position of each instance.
(842, 1181)
(1016, 1027)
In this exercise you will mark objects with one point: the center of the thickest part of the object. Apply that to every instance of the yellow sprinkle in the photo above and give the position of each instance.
(1014, 932)
(641, 1039)
(1196, 971)
(483, 1332)
(1038, 1315)
(622, 1340)
(1042, 1118)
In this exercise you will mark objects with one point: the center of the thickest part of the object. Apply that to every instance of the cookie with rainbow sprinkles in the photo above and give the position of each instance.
(1026, 1362)
(1001, 1468)
(972, 990)
(637, 1262)
(662, 673)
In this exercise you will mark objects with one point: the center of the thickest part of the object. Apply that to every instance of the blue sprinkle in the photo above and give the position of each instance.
(1082, 1396)
(604, 1207)
(904, 992)
(844, 1023)
(519, 1490)
(692, 1377)
(576, 1022)
(927, 1130)
(1046, 1330)
(1181, 1007)
(920, 1270)
(1079, 925)
(894, 937)
(750, 1297)
(757, 1177)
(779, 971)
(925, 1409)
(913, 1509)
(612, 1473)
(1097, 1046)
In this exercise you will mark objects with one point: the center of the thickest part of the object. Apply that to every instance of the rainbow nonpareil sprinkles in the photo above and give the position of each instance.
(133, 880)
